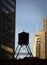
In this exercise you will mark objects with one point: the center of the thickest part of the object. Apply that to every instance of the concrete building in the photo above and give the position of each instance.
(7, 35)
(7, 30)
(45, 24)
(36, 46)
(40, 44)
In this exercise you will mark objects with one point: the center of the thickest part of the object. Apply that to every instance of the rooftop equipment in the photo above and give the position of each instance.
(23, 40)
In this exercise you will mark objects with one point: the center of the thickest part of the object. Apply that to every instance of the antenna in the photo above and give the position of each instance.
(37, 28)
(23, 30)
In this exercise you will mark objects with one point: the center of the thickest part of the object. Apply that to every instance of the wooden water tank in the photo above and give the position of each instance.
(23, 38)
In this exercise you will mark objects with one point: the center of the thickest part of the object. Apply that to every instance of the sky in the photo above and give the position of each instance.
(29, 17)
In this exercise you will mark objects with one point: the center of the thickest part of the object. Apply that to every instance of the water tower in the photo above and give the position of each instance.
(23, 40)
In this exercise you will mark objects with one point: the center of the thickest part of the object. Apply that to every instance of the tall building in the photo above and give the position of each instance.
(45, 24)
(7, 33)
(0, 5)
(40, 44)
(36, 46)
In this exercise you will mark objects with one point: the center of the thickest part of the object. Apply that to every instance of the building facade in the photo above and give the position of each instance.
(36, 46)
(7, 34)
(40, 44)
(7, 30)
(45, 24)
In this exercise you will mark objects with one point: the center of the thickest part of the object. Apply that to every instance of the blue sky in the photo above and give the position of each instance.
(29, 17)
